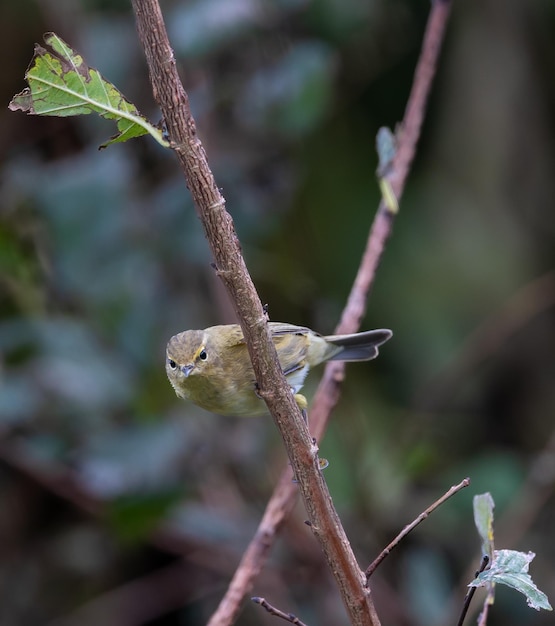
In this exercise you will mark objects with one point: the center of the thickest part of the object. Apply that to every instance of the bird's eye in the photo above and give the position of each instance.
(203, 356)
(172, 364)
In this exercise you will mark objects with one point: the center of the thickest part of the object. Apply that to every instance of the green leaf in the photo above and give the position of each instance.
(483, 518)
(510, 568)
(61, 84)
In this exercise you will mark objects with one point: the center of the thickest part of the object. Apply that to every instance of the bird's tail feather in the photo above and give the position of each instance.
(359, 346)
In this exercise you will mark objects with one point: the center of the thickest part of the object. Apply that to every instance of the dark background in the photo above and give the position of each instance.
(121, 505)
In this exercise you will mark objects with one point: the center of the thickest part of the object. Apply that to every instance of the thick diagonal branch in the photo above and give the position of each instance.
(220, 232)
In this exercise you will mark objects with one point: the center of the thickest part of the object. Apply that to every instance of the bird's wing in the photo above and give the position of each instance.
(283, 328)
(291, 345)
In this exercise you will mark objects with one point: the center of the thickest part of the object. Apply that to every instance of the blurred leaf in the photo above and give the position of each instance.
(44, 448)
(341, 19)
(483, 518)
(425, 580)
(510, 568)
(12, 257)
(74, 367)
(204, 26)
(19, 268)
(60, 367)
(19, 399)
(294, 94)
(496, 471)
(61, 84)
(82, 219)
(213, 524)
(134, 516)
(138, 458)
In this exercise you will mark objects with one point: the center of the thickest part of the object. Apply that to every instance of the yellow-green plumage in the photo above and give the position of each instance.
(212, 368)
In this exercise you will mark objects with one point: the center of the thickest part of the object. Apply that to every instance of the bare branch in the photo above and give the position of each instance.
(288, 617)
(407, 529)
(470, 593)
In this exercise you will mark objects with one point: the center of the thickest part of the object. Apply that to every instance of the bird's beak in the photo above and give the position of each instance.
(187, 369)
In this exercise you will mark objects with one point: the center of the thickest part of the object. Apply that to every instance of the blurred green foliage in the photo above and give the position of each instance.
(102, 259)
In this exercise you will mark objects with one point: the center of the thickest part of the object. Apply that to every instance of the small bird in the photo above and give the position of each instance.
(212, 367)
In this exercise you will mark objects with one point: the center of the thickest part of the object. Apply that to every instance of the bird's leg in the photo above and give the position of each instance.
(303, 405)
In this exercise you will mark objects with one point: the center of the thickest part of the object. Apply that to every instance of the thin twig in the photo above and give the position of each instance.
(407, 529)
(288, 617)
(472, 590)
(327, 394)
